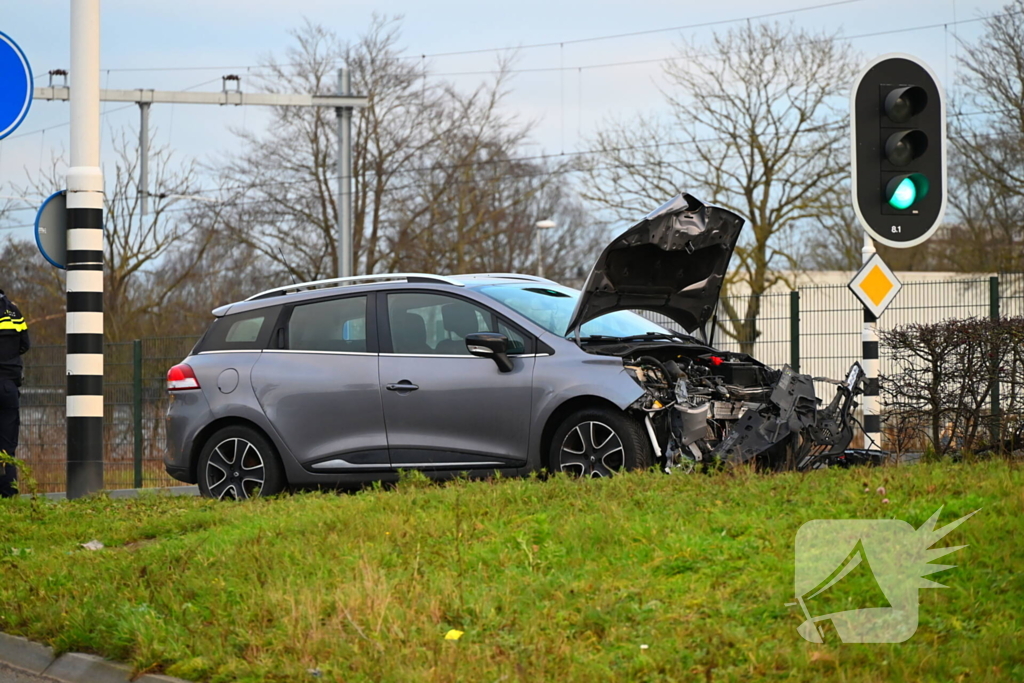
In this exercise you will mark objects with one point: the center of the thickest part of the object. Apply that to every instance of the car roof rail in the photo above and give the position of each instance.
(508, 276)
(339, 281)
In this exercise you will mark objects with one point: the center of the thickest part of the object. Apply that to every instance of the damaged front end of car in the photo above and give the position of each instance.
(702, 406)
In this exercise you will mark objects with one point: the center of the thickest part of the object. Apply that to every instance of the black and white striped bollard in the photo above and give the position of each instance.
(85, 258)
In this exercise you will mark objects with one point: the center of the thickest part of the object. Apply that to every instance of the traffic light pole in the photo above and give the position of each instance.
(85, 259)
(869, 362)
(898, 187)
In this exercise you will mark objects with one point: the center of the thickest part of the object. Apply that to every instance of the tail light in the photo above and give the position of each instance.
(181, 377)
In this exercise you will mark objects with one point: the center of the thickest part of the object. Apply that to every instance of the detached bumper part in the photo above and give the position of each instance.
(790, 431)
(760, 430)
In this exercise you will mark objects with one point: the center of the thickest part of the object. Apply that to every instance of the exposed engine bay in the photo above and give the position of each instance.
(703, 407)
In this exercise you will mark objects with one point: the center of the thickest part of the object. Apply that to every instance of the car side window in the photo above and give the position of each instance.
(247, 331)
(435, 324)
(332, 325)
(516, 342)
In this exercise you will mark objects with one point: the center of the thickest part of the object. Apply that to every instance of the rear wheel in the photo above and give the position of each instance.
(238, 462)
(598, 442)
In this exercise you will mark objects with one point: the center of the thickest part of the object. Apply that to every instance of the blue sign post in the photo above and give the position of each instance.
(16, 93)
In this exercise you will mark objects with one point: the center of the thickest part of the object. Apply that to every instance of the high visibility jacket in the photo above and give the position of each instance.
(14, 339)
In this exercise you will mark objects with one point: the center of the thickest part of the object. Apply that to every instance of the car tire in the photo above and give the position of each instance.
(597, 442)
(248, 461)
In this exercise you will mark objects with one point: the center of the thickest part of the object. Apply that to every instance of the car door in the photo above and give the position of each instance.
(320, 387)
(443, 407)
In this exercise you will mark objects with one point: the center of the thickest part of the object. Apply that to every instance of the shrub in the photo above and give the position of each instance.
(943, 380)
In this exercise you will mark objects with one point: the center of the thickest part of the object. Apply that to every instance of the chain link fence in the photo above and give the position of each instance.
(815, 329)
(135, 402)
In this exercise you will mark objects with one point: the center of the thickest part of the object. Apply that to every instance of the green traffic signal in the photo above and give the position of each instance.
(904, 195)
(903, 191)
(898, 150)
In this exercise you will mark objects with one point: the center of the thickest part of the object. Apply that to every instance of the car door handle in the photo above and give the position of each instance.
(404, 385)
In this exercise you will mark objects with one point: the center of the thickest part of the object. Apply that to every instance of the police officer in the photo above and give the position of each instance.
(13, 343)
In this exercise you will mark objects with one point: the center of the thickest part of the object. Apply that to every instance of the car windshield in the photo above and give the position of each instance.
(551, 307)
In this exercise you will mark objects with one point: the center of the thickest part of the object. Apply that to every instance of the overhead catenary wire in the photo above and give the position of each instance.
(242, 203)
(521, 159)
(579, 67)
(591, 39)
(659, 60)
(646, 32)
(236, 203)
(514, 160)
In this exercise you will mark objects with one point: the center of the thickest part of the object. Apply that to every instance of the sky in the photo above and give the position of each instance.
(190, 44)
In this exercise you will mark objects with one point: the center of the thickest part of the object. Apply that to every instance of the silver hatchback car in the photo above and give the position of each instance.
(351, 380)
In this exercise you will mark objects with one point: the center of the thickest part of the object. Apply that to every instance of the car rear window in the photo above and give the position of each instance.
(241, 331)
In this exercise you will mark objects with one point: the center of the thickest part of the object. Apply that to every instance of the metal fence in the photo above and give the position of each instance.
(135, 402)
(816, 329)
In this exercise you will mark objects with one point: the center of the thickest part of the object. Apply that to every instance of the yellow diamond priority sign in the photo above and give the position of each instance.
(875, 285)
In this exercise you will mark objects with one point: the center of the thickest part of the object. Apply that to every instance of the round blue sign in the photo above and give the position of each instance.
(52, 229)
(16, 92)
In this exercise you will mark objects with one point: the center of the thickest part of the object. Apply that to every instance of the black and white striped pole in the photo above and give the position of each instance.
(869, 363)
(85, 258)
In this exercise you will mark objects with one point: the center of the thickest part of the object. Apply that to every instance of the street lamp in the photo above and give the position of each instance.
(541, 226)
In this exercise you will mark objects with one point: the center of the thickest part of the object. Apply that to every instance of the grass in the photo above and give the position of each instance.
(550, 580)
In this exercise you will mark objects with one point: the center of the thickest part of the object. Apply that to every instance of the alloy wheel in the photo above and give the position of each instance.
(235, 469)
(592, 449)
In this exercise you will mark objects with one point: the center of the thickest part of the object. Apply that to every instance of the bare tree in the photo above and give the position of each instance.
(136, 248)
(209, 271)
(284, 185)
(833, 240)
(473, 204)
(757, 124)
(987, 169)
(438, 185)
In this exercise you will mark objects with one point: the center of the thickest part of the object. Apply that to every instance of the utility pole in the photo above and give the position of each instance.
(346, 259)
(144, 159)
(85, 259)
(343, 105)
(538, 245)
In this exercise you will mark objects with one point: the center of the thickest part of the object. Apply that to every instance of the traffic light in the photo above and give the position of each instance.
(898, 150)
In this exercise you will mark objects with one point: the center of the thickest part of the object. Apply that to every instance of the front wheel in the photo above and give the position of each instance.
(238, 462)
(598, 442)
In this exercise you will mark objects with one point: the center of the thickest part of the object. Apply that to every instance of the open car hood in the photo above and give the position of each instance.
(672, 262)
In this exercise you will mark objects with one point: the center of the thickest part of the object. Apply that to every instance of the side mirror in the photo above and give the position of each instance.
(490, 345)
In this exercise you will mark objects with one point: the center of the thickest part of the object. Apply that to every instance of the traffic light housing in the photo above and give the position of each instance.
(898, 150)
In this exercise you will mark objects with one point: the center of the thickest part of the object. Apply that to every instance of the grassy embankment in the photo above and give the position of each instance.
(556, 580)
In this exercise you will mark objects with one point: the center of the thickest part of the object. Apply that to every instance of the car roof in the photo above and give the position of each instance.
(307, 291)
